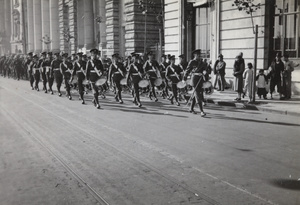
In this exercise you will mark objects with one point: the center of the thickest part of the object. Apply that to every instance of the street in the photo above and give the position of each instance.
(56, 151)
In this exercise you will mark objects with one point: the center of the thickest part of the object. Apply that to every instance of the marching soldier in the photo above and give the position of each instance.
(173, 75)
(55, 69)
(116, 73)
(94, 69)
(36, 71)
(151, 69)
(66, 70)
(135, 72)
(49, 73)
(197, 68)
(79, 69)
(162, 68)
(43, 71)
(28, 65)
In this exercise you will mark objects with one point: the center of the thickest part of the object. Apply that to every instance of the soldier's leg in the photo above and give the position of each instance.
(119, 91)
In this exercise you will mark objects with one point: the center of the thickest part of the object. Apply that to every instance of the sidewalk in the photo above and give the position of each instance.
(286, 107)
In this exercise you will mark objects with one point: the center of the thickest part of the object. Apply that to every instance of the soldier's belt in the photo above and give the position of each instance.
(199, 74)
(135, 74)
(56, 69)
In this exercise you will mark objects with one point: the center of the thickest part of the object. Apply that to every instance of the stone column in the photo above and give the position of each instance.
(2, 16)
(112, 26)
(30, 25)
(37, 20)
(73, 24)
(102, 28)
(8, 14)
(80, 23)
(54, 25)
(88, 24)
(46, 23)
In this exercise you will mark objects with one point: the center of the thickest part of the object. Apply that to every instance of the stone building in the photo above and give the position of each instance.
(79, 25)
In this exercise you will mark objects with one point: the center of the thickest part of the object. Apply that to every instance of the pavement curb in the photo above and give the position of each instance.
(242, 105)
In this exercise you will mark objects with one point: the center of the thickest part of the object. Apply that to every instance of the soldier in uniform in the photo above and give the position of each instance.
(151, 68)
(135, 72)
(43, 71)
(55, 69)
(28, 64)
(66, 69)
(173, 75)
(197, 68)
(162, 68)
(36, 71)
(115, 75)
(49, 73)
(79, 69)
(94, 69)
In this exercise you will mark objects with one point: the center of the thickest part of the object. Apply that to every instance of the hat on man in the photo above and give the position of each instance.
(150, 53)
(94, 50)
(65, 55)
(163, 56)
(132, 54)
(197, 51)
(115, 55)
(278, 55)
(181, 56)
(171, 57)
(49, 53)
(30, 53)
(220, 56)
(44, 53)
(35, 56)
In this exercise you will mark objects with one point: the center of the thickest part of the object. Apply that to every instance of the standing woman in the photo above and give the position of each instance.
(55, 66)
(275, 73)
(115, 75)
(151, 69)
(94, 69)
(238, 70)
(173, 75)
(66, 70)
(136, 73)
(79, 69)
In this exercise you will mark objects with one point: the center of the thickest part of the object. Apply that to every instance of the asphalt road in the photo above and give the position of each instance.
(56, 151)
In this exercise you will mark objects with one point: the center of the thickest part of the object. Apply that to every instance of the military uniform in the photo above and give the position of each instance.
(116, 73)
(79, 69)
(55, 69)
(173, 75)
(49, 74)
(151, 68)
(66, 70)
(135, 72)
(196, 68)
(94, 71)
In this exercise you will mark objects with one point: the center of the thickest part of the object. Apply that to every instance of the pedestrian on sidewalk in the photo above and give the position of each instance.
(238, 70)
(219, 71)
(287, 77)
(262, 81)
(275, 72)
(248, 76)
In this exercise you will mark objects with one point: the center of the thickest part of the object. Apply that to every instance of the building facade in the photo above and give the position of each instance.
(164, 26)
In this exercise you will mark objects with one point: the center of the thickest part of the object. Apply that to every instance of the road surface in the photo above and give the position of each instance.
(56, 151)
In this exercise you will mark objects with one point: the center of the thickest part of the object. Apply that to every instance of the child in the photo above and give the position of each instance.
(262, 80)
(248, 76)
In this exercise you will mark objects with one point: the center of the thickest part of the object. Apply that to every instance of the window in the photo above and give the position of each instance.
(287, 27)
(202, 35)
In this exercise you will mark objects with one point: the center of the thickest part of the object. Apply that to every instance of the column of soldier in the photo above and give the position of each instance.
(84, 73)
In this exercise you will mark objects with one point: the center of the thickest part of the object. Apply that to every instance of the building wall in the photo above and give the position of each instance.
(173, 27)
(236, 34)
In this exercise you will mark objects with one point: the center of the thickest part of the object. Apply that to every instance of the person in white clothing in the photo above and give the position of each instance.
(248, 76)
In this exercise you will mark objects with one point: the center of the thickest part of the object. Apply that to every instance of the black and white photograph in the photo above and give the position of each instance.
(149, 102)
